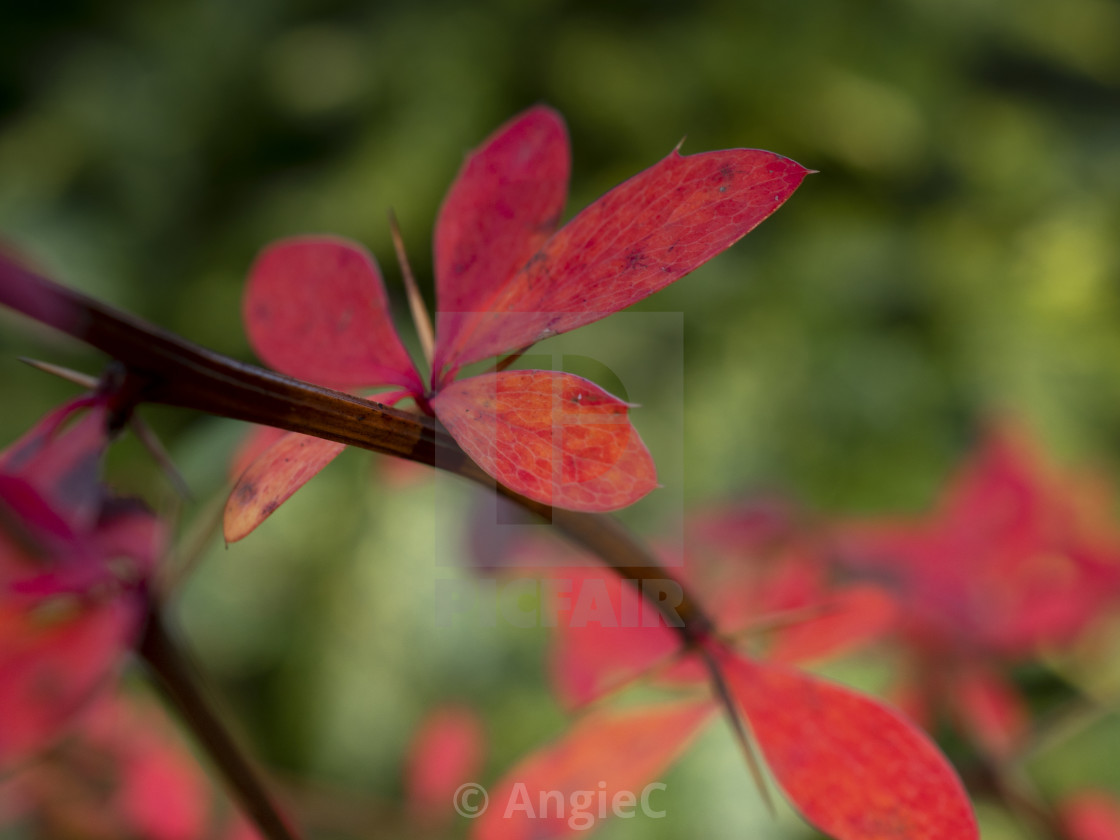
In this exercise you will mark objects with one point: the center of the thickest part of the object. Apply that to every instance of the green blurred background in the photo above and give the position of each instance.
(956, 258)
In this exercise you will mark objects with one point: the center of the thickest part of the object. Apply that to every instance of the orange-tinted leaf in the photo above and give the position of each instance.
(550, 436)
(285, 467)
(853, 767)
(638, 238)
(258, 441)
(506, 201)
(606, 754)
(1091, 816)
(315, 308)
(446, 752)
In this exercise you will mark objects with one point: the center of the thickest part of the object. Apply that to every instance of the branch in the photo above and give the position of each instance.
(181, 682)
(162, 367)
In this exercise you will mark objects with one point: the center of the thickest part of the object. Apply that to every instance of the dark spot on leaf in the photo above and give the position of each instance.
(635, 259)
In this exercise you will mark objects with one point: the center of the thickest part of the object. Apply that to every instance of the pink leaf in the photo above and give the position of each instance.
(636, 239)
(551, 436)
(315, 308)
(854, 768)
(506, 201)
(602, 758)
(272, 479)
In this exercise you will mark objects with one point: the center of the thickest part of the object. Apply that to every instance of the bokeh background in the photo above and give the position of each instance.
(956, 258)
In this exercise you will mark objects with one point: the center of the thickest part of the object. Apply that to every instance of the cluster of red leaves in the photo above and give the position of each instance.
(122, 772)
(852, 767)
(506, 276)
(74, 565)
(1018, 558)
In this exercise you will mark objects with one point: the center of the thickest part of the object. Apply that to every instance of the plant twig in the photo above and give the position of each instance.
(182, 684)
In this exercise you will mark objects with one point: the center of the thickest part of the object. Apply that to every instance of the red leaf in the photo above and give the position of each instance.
(551, 436)
(638, 238)
(851, 617)
(315, 308)
(272, 479)
(990, 710)
(605, 755)
(854, 768)
(506, 201)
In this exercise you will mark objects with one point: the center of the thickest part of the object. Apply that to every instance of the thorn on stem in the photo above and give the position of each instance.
(416, 305)
(723, 696)
(78, 378)
(150, 441)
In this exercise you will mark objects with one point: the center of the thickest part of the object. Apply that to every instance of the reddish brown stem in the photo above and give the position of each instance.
(183, 685)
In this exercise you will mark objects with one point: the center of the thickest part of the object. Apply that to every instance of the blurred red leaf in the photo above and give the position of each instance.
(74, 564)
(446, 752)
(989, 709)
(849, 618)
(551, 436)
(591, 656)
(1017, 556)
(60, 457)
(605, 754)
(853, 767)
(1091, 815)
(123, 772)
(50, 667)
